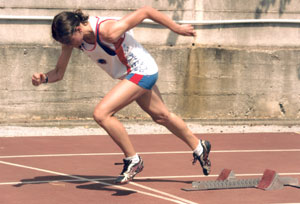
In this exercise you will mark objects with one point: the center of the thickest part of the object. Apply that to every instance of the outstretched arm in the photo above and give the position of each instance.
(56, 74)
(113, 30)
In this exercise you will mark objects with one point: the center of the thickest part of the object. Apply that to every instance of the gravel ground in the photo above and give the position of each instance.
(137, 128)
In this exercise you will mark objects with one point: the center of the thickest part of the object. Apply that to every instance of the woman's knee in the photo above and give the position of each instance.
(100, 115)
(162, 118)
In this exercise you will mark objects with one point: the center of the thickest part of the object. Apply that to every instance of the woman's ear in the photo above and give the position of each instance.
(78, 28)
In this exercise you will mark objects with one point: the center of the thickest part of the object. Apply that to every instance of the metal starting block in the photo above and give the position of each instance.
(227, 180)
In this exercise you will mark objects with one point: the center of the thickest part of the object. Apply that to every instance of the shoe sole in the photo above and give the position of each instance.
(206, 150)
(131, 178)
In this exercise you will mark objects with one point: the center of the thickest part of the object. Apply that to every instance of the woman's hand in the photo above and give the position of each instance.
(38, 79)
(186, 30)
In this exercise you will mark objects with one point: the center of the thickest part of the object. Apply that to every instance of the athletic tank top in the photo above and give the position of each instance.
(120, 58)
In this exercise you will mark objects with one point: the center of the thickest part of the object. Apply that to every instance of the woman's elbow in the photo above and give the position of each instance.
(146, 10)
(59, 76)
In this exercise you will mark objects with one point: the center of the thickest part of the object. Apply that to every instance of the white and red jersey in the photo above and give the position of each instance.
(120, 58)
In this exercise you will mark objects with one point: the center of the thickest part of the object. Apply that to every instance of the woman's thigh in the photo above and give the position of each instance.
(152, 103)
(119, 96)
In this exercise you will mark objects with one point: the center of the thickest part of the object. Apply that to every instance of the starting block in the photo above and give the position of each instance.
(227, 180)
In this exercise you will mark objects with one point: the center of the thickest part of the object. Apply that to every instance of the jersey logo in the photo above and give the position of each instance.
(102, 61)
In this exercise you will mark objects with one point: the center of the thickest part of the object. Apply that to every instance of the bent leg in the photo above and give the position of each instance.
(151, 102)
(121, 95)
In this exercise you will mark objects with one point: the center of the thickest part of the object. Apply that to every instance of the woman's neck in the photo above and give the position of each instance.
(88, 34)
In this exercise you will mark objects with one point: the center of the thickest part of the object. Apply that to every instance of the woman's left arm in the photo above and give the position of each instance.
(113, 30)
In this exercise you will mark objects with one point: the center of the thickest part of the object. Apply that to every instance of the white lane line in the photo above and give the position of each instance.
(211, 176)
(256, 151)
(61, 155)
(149, 153)
(101, 179)
(94, 181)
(107, 179)
(52, 181)
(161, 192)
(143, 178)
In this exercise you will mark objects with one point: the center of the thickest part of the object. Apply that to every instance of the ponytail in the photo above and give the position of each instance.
(65, 23)
(81, 16)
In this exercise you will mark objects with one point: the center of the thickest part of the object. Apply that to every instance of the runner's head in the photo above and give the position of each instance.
(64, 25)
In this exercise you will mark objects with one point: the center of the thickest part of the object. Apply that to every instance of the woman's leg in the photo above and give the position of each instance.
(121, 95)
(151, 102)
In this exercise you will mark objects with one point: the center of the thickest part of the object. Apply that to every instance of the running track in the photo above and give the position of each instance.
(80, 169)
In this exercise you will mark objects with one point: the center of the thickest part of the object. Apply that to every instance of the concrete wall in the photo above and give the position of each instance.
(228, 72)
(225, 35)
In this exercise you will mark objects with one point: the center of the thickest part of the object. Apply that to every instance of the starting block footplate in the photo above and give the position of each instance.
(226, 180)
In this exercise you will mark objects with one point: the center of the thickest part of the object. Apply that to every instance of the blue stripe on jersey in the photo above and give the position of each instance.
(104, 47)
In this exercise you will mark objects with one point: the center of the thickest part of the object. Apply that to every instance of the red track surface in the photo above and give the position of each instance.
(77, 170)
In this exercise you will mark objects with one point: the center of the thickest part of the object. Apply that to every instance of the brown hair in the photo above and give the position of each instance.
(65, 23)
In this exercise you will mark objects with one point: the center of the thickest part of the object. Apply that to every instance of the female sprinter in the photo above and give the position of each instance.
(111, 45)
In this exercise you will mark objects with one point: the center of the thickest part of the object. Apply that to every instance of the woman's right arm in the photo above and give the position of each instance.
(56, 74)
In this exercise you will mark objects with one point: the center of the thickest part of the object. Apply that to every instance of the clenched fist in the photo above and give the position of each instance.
(38, 78)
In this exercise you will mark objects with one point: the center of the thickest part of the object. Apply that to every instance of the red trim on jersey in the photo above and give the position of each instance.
(121, 54)
(118, 45)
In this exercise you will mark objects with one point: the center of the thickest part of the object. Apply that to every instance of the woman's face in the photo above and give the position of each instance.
(77, 39)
